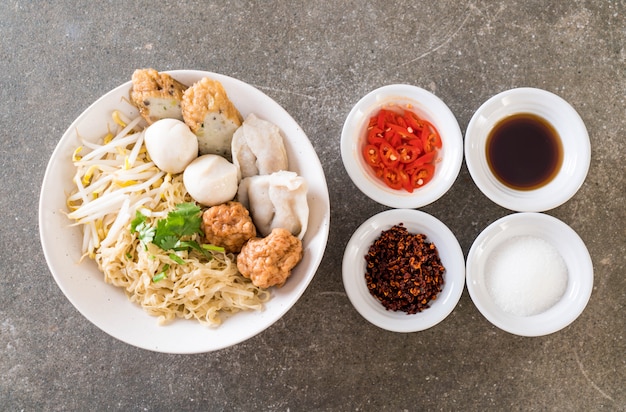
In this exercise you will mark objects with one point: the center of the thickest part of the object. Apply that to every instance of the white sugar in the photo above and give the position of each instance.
(525, 275)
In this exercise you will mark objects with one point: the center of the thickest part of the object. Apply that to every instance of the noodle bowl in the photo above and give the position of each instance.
(114, 181)
(107, 307)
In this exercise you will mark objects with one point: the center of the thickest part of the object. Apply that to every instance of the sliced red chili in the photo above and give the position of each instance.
(401, 148)
(383, 118)
(371, 155)
(430, 126)
(431, 143)
(417, 143)
(405, 178)
(422, 175)
(376, 141)
(379, 171)
(430, 137)
(402, 131)
(374, 133)
(392, 178)
(428, 157)
(395, 140)
(436, 139)
(389, 155)
(380, 120)
(408, 153)
(413, 122)
(424, 138)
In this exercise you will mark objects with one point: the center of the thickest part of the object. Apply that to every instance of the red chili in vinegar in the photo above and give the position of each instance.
(524, 151)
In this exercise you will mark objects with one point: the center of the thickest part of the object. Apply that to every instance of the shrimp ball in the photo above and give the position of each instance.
(268, 261)
(228, 225)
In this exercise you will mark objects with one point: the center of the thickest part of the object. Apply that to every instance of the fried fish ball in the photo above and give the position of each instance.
(228, 225)
(268, 261)
(211, 116)
(156, 95)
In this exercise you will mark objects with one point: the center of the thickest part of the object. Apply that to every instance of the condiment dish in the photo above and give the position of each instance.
(450, 253)
(576, 150)
(427, 106)
(568, 244)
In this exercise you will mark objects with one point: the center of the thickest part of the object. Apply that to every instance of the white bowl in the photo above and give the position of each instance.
(107, 306)
(426, 105)
(569, 126)
(570, 247)
(450, 253)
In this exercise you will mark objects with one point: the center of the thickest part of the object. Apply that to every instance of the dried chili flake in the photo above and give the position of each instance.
(403, 270)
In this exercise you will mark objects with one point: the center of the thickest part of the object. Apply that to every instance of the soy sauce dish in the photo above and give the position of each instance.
(529, 274)
(450, 254)
(445, 166)
(527, 150)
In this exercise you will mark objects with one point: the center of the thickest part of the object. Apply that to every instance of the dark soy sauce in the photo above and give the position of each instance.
(524, 151)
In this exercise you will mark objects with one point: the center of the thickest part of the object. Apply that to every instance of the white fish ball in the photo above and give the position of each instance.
(211, 180)
(171, 145)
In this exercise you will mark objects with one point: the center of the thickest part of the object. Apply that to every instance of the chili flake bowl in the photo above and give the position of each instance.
(450, 253)
(568, 244)
(427, 106)
(576, 150)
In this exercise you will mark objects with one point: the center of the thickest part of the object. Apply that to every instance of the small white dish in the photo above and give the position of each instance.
(107, 306)
(450, 253)
(568, 124)
(571, 248)
(426, 105)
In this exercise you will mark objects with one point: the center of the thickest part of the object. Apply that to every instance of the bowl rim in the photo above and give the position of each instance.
(573, 251)
(574, 138)
(425, 104)
(353, 270)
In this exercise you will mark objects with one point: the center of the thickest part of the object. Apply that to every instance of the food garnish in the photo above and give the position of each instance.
(401, 149)
(174, 232)
(403, 270)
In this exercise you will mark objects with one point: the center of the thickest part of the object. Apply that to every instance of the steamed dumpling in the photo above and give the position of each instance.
(258, 148)
(277, 200)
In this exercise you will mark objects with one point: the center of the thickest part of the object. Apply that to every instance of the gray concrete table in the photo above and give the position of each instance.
(317, 59)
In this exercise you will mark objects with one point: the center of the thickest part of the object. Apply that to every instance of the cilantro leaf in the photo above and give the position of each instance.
(168, 242)
(185, 220)
(138, 220)
(145, 232)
